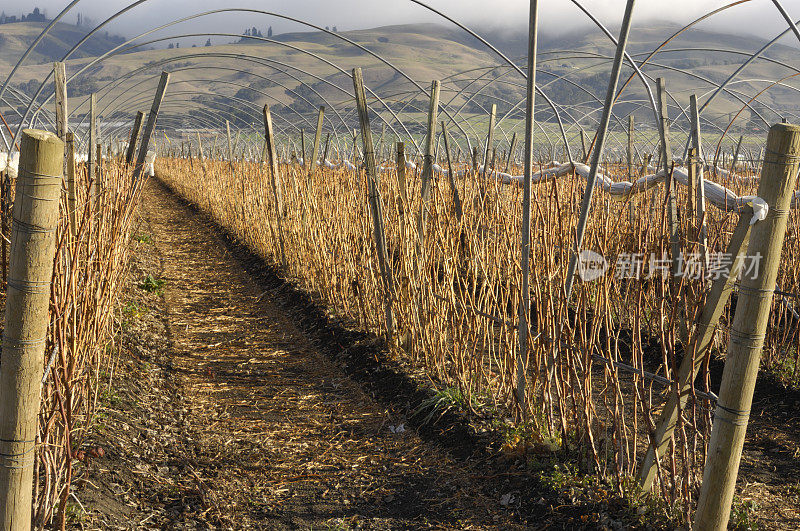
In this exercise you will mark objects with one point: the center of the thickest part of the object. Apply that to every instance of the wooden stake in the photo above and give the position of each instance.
(144, 145)
(60, 77)
(700, 201)
(525, 245)
(489, 138)
(778, 180)
(695, 353)
(374, 199)
(666, 163)
(303, 147)
(325, 152)
(427, 162)
(272, 152)
(33, 246)
(92, 138)
(401, 174)
(451, 176)
(230, 144)
(583, 146)
(631, 178)
(736, 153)
(511, 152)
(72, 196)
(317, 138)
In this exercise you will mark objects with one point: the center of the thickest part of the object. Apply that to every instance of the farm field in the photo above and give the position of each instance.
(532, 267)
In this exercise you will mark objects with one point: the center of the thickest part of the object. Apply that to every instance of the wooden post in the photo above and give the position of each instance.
(144, 145)
(525, 246)
(511, 152)
(230, 144)
(666, 163)
(583, 146)
(736, 153)
(317, 138)
(451, 176)
(631, 178)
(778, 180)
(90, 160)
(695, 353)
(401, 174)
(33, 246)
(325, 151)
(98, 179)
(303, 147)
(72, 195)
(700, 198)
(427, 163)
(374, 198)
(489, 138)
(272, 152)
(60, 77)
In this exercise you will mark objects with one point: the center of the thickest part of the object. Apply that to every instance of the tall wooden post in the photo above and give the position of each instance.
(489, 138)
(427, 162)
(699, 188)
(695, 353)
(90, 159)
(303, 147)
(583, 146)
(511, 148)
(325, 151)
(230, 144)
(374, 198)
(451, 177)
(631, 212)
(317, 138)
(736, 153)
(666, 162)
(778, 180)
(60, 79)
(525, 246)
(98, 178)
(401, 173)
(144, 145)
(33, 246)
(272, 152)
(72, 194)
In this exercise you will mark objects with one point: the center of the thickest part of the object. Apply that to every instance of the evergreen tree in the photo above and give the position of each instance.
(208, 42)
(269, 31)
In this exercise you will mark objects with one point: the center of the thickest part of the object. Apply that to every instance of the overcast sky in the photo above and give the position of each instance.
(756, 17)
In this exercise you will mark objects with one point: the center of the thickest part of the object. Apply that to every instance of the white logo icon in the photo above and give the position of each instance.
(591, 265)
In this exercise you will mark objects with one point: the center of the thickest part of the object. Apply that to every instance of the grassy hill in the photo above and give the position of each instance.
(423, 52)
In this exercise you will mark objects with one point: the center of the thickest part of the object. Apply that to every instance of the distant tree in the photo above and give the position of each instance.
(79, 20)
(177, 45)
(335, 30)
(254, 32)
(259, 33)
(269, 31)
(247, 32)
(171, 46)
(194, 46)
(327, 28)
(208, 42)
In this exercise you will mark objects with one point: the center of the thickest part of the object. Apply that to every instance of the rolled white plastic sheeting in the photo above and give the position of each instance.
(149, 162)
(10, 165)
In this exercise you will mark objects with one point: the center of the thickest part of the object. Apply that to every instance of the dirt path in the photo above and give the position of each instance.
(235, 406)
(231, 418)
